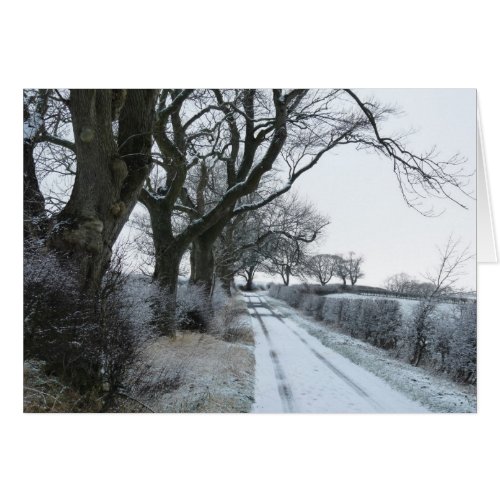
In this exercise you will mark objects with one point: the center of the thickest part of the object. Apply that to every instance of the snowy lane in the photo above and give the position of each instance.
(282, 385)
(296, 373)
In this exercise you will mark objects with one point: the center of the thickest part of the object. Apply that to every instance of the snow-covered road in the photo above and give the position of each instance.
(294, 372)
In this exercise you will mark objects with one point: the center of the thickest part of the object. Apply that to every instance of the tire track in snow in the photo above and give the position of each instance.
(359, 390)
(284, 389)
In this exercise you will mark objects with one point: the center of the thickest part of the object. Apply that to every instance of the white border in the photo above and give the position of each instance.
(319, 44)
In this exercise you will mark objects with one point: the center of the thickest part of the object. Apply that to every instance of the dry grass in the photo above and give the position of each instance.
(195, 373)
(47, 394)
(192, 373)
(232, 322)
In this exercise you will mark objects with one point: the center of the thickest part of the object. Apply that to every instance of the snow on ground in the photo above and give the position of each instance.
(295, 372)
(194, 373)
(407, 305)
(431, 391)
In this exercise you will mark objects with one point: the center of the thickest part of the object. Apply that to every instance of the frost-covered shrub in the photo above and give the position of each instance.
(59, 321)
(220, 296)
(375, 320)
(351, 317)
(189, 310)
(432, 334)
(365, 322)
(193, 307)
(85, 339)
(229, 319)
(49, 288)
(443, 338)
(422, 326)
(292, 295)
(139, 292)
(117, 340)
(231, 322)
(462, 358)
(387, 319)
(452, 347)
(334, 311)
(312, 305)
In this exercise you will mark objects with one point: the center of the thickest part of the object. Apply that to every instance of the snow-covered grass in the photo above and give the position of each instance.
(432, 391)
(407, 305)
(211, 371)
(194, 373)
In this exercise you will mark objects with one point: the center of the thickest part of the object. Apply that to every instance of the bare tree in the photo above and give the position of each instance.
(342, 270)
(237, 136)
(323, 267)
(245, 134)
(353, 265)
(287, 259)
(452, 259)
(399, 283)
(295, 224)
(256, 235)
(404, 284)
(252, 239)
(212, 132)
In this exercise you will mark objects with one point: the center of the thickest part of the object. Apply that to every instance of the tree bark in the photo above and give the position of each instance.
(167, 271)
(286, 275)
(203, 271)
(108, 180)
(250, 274)
(225, 272)
(207, 227)
(169, 251)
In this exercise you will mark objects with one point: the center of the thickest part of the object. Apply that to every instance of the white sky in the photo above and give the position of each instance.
(360, 193)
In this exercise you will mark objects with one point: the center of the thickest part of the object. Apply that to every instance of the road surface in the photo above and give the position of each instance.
(295, 373)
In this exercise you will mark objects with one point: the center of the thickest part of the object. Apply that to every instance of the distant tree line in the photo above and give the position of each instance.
(324, 267)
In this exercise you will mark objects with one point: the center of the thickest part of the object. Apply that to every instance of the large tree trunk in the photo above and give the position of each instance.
(225, 265)
(203, 271)
(250, 273)
(286, 275)
(168, 255)
(164, 244)
(167, 274)
(225, 272)
(109, 176)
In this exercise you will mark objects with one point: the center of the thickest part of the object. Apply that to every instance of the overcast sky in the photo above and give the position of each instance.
(360, 192)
